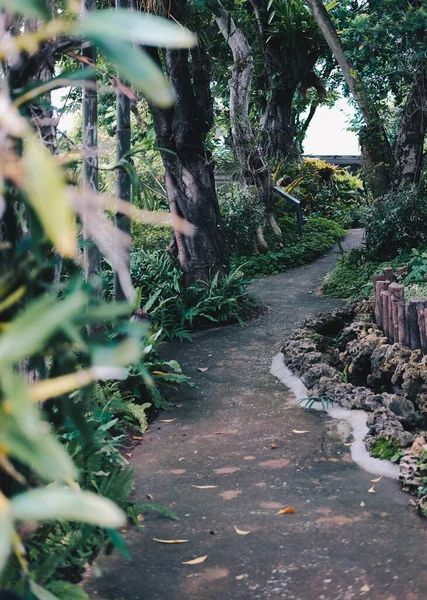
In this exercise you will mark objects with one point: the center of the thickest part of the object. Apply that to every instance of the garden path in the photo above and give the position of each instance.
(332, 548)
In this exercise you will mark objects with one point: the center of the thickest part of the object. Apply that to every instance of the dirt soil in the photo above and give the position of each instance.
(236, 433)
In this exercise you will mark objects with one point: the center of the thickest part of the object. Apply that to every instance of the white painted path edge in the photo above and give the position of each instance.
(355, 418)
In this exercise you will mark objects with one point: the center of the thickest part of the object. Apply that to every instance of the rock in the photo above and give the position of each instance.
(385, 359)
(383, 423)
(294, 352)
(350, 333)
(311, 358)
(414, 379)
(325, 386)
(312, 376)
(410, 473)
(358, 355)
(401, 407)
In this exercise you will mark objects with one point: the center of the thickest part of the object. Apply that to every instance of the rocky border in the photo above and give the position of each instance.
(344, 356)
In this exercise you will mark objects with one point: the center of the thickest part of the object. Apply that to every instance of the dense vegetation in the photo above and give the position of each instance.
(148, 218)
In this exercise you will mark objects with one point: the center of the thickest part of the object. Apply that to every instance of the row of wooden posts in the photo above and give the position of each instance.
(404, 322)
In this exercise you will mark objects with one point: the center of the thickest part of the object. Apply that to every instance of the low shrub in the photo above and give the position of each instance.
(352, 276)
(324, 191)
(395, 223)
(177, 310)
(319, 235)
(241, 214)
(151, 237)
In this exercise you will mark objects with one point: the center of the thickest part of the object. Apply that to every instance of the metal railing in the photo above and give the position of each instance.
(296, 203)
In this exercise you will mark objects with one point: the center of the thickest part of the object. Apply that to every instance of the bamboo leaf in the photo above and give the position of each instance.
(5, 530)
(32, 329)
(49, 503)
(141, 28)
(137, 68)
(30, 8)
(41, 593)
(47, 194)
(42, 452)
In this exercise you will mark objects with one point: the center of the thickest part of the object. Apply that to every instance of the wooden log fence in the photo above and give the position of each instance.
(403, 322)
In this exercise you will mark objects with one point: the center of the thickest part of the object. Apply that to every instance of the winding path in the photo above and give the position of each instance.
(235, 433)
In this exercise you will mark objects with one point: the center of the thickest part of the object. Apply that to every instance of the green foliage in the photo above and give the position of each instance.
(385, 449)
(309, 402)
(176, 309)
(151, 237)
(352, 275)
(396, 222)
(319, 235)
(241, 216)
(58, 338)
(324, 191)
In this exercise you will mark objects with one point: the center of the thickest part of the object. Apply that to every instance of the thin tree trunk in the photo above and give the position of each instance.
(376, 150)
(411, 134)
(123, 184)
(181, 133)
(91, 253)
(248, 150)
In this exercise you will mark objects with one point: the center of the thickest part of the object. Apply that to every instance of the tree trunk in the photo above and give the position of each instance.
(376, 151)
(123, 185)
(91, 254)
(411, 134)
(278, 123)
(181, 135)
(248, 150)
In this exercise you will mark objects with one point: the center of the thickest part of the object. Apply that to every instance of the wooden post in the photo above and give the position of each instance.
(385, 300)
(402, 272)
(421, 310)
(381, 287)
(388, 274)
(401, 322)
(376, 279)
(396, 295)
(414, 340)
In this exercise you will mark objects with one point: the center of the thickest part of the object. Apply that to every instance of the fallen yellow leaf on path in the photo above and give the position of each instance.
(204, 487)
(241, 532)
(299, 431)
(348, 444)
(365, 588)
(372, 490)
(286, 511)
(170, 541)
(150, 496)
(195, 561)
(203, 369)
(376, 480)
(362, 503)
(140, 518)
(167, 420)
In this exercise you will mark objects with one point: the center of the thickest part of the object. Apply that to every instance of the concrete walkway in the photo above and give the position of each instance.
(341, 543)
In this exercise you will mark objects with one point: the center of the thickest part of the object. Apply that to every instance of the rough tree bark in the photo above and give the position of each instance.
(181, 134)
(278, 120)
(247, 149)
(376, 150)
(91, 254)
(123, 185)
(408, 161)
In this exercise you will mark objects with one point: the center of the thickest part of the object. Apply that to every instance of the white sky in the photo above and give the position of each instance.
(327, 133)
